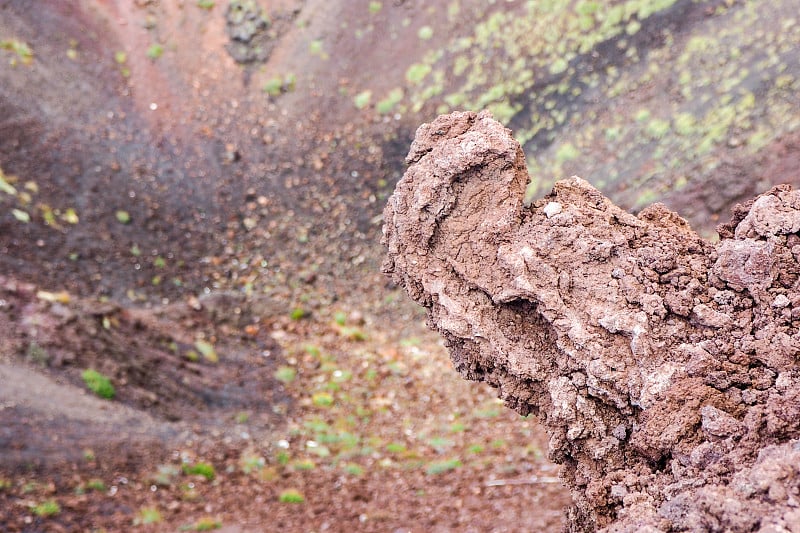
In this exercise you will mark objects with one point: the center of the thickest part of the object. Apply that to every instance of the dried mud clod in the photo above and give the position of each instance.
(664, 367)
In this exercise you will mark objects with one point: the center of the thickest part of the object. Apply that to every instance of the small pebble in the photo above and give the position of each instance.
(551, 209)
(780, 301)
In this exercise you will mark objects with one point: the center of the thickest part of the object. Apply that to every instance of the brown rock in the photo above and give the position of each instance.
(663, 367)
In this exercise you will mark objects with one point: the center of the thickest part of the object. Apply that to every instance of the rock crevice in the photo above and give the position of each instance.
(663, 367)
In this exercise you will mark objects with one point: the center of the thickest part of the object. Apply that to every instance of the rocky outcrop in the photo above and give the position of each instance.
(663, 366)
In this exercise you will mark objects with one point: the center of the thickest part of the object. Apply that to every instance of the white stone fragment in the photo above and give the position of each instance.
(780, 301)
(551, 209)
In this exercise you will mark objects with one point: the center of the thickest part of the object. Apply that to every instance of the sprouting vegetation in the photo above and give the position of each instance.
(285, 374)
(277, 85)
(291, 496)
(205, 470)
(439, 467)
(96, 484)
(425, 33)
(147, 516)
(154, 51)
(391, 100)
(545, 79)
(24, 53)
(98, 384)
(362, 99)
(46, 508)
(205, 523)
(207, 350)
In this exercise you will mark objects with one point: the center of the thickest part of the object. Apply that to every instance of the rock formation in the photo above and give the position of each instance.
(663, 366)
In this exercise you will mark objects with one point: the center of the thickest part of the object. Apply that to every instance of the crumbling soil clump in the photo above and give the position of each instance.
(664, 367)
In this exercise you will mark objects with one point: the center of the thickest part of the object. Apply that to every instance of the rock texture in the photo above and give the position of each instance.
(664, 367)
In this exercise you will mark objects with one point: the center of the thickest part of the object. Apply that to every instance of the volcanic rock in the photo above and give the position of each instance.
(664, 367)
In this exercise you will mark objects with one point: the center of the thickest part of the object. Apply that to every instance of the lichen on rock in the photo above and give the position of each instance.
(663, 367)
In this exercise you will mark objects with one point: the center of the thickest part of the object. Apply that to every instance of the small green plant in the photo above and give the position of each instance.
(98, 384)
(657, 128)
(374, 7)
(313, 351)
(340, 317)
(684, 124)
(475, 449)
(558, 66)
(5, 484)
(206, 4)
(439, 467)
(362, 99)
(207, 350)
(70, 216)
(386, 105)
(23, 51)
(242, 417)
(425, 33)
(96, 484)
(316, 48)
(5, 186)
(147, 515)
(123, 217)
(276, 85)
(21, 216)
(305, 464)
(396, 447)
(322, 399)
(200, 469)
(121, 58)
(47, 508)
(440, 443)
(417, 72)
(155, 51)
(457, 427)
(291, 496)
(354, 469)
(489, 412)
(566, 152)
(286, 374)
(204, 524)
(353, 334)
(298, 313)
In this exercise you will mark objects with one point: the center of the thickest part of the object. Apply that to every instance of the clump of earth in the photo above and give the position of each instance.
(253, 33)
(663, 366)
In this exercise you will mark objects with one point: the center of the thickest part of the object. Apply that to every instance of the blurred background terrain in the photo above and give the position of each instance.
(190, 205)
